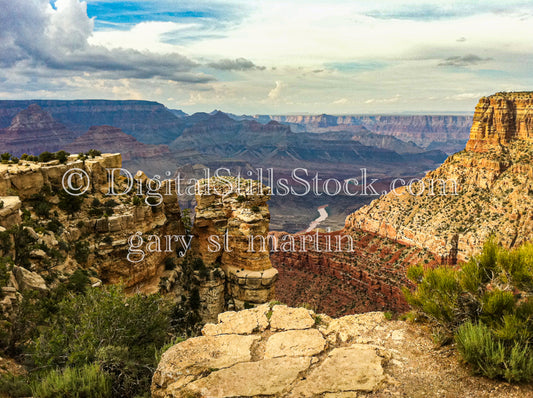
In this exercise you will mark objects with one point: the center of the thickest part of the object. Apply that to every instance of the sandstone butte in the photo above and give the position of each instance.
(279, 351)
(494, 176)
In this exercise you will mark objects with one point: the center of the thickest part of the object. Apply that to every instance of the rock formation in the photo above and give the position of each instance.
(114, 140)
(234, 213)
(105, 222)
(445, 132)
(486, 189)
(279, 351)
(500, 119)
(149, 122)
(33, 131)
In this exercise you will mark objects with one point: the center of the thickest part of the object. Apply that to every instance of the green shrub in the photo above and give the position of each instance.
(87, 381)
(69, 203)
(492, 357)
(14, 386)
(103, 326)
(255, 209)
(46, 156)
(62, 156)
(486, 305)
(81, 252)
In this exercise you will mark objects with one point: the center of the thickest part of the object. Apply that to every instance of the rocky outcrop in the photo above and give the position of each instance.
(486, 189)
(114, 140)
(9, 211)
(278, 351)
(106, 222)
(500, 119)
(230, 231)
(33, 131)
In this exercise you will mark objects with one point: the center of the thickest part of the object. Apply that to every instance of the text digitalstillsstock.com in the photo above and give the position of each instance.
(301, 183)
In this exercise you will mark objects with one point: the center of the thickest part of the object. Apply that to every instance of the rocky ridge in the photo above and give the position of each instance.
(33, 131)
(279, 351)
(116, 141)
(483, 190)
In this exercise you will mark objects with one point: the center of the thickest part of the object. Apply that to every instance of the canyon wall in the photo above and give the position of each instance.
(486, 189)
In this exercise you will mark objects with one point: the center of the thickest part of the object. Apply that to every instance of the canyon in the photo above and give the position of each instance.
(494, 197)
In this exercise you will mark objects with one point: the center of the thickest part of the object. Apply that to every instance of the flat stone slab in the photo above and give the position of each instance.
(295, 343)
(286, 318)
(241, 322)
(246, 379)
(347, 369)
(193, 356)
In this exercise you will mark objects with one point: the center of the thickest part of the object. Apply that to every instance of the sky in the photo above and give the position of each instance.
(268, 56)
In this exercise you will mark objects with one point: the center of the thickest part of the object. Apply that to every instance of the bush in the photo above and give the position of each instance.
(103, 326)
(87, 381)
(170, 264)
(62, 156)
(486, 305)
(46, 157)
(81, 252)
(14, 386)
(69, 203)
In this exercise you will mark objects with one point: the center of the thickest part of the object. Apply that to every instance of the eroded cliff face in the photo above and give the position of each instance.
(90, 231)
(500, 119)
(230, 231)
(493, 193)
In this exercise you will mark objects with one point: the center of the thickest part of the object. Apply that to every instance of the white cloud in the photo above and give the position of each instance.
(275, 93)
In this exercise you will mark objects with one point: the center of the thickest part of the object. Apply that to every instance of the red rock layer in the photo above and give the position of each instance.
(340, 283)
(112, 139)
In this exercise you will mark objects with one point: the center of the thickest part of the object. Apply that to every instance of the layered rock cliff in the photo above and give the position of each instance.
(230, 232)
(149, 122)
(483, 190)
(33, 131)
(114, 140)
(90, 231)
(444, 132)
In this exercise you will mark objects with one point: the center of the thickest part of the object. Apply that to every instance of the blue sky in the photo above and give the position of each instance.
(268, 56)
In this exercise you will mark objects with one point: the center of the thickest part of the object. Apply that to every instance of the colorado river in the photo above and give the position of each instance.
(323, 214)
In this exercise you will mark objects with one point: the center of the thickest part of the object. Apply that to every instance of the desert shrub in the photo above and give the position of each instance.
(103, 326)
(78, 281)
(169, 263)
(255, 209)
(486, 305)
(87, 381)
(93, 153)
(241, 199)
(1, 204)
(62, 156)
(46, 156)
(492, 357)
(54, 225)
(70, 203)
(136, 201)
(82, 252)
(14, 386)
(24, 244)
(5, 242)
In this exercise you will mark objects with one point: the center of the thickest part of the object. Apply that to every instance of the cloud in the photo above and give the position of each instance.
(235, 64)
(341, 101)
(36, 36)
(275, 93)
(464, 60)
